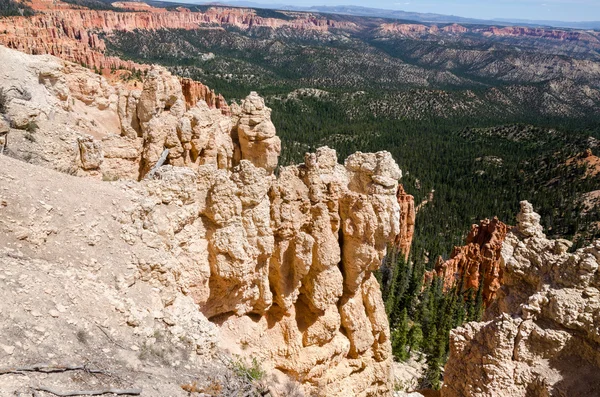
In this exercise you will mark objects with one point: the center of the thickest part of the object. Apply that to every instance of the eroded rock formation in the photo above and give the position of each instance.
(420, 30)
(119, 132)
(542, 333)
(308, 277)
(283, 265)
(256, 133)
(407, 222)
(72, 33)
(477, 261)
(194, 91)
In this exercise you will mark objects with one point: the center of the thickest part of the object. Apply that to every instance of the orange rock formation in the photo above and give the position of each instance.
(194, 91)
(416, 30)
(73, 34)
(588, 160)
(407, 221)
(478, 260)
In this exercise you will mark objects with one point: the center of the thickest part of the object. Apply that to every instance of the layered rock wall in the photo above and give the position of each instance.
(74, 34)
(542, 333)
(420, 30)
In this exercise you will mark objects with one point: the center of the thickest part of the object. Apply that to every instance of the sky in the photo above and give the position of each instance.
(560, 10)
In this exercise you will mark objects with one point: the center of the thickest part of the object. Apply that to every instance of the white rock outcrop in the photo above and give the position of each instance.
(282, 264)
(542, 332)
(256, 133)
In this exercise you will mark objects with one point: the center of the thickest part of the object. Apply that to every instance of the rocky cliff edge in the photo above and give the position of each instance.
(214, 250)
(542, 334)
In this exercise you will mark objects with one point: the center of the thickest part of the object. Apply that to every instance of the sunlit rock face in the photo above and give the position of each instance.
(477, 264)
(282, 260)
(541, 333)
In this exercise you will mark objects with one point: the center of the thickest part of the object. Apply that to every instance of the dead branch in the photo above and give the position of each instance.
(47, 369)
(109, 337)
(129, 392)
(159, 163)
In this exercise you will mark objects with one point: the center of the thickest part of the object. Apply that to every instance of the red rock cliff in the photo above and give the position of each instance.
(479, 259)
(73, 34)
(407, 221)
(194, 91)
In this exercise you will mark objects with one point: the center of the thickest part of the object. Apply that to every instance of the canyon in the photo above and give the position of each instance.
(156, 231)
(78, 34)
(237, 260)
(558, 68)
(74, 34)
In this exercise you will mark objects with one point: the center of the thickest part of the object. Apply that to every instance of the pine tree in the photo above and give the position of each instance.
(478, 310)
(433, 374)
(388, 277)
(399, 337)
(435, 354)
(423, 312)
(430, 340)
(414, 338)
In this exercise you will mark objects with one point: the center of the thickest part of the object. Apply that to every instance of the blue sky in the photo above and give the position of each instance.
(563, 10)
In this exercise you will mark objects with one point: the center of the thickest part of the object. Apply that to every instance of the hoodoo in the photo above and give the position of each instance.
(283, 265)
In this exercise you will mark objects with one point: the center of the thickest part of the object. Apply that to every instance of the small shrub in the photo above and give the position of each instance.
(292, 389)
(32, 126)
(108, 177)
(69, 169)
(82, 337)
(158, 352)
(158, 335)
(252, 372)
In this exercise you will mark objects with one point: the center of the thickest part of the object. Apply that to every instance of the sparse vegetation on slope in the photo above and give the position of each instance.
(12, 8)
(102, 5)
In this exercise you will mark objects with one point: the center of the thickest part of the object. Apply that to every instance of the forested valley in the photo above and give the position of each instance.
(469, 147)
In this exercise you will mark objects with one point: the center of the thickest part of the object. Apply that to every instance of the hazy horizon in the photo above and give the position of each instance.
(557, 10)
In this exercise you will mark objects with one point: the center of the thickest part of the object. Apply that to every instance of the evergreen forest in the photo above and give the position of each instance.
(465, 154)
